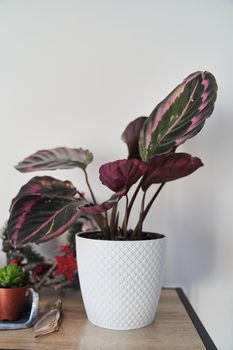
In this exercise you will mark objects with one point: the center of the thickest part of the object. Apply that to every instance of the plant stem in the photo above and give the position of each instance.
(132, 201)
(145, 212)
(113, 228)
(152, 200)
(89, 187)
(138, 229)
(125, 223)
(44, 278)
(141, 215)
(100, 220)
(106, 226)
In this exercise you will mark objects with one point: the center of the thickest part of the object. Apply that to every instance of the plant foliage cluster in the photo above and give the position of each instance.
(46, 207)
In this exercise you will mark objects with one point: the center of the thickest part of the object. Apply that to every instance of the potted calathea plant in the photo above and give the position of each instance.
(13, 289)
(120, 267)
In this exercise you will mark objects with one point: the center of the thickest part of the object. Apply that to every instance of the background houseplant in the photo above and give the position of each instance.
(45, 207)
(13, 289)
(59, 270)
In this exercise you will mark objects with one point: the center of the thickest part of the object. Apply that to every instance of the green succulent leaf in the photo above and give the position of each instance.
(11, 276)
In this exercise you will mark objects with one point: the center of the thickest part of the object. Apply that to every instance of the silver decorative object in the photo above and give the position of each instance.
(48, 322)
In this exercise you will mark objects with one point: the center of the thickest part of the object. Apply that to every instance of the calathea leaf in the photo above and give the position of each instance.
(180, 116)
(38, 219)
(46, 186)
(97, 209)
(169, 167)
(120, 175)
(131, 136)
(56, 158)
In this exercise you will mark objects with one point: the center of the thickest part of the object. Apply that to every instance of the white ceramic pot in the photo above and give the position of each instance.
(120, 280)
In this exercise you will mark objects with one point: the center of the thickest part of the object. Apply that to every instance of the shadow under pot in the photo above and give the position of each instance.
(12, 302)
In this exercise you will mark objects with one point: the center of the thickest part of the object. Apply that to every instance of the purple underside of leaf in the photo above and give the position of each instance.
(131, 136)
(56, 158)
(97, 209)
(164, 168)
(120, 175)
(180, 116)
(35, 219)
(46, 186)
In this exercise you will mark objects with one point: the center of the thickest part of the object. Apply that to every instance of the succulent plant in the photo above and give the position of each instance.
(11, 276)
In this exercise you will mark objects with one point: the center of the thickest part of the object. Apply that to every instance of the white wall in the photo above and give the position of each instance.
(75, 73)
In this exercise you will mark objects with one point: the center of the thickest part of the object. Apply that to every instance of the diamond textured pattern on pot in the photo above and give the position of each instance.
(120, 281)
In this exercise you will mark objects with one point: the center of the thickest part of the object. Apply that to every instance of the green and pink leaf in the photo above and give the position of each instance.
(56, 158)
(46, 186)
(36, 219)
(180, 116)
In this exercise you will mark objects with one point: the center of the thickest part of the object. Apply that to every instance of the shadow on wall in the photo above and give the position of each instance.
(191, 242)
(195, 209)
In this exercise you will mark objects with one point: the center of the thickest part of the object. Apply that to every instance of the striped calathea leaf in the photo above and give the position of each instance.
(38, 219)
(44, 208)
(180, 116)
(46, 186)
(56, 158)
(169, 167)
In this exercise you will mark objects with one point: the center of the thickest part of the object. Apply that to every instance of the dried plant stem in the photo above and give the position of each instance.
(89, 187)
(45, 277)
(50, 282)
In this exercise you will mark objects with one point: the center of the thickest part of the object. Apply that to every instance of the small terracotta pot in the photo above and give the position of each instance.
(12, 303)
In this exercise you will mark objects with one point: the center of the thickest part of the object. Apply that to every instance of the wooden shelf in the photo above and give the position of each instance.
(176, 327)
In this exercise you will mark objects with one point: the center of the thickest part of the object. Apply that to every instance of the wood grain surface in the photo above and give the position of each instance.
(171, 330)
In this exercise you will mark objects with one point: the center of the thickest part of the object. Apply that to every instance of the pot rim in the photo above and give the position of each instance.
(158, 236)
(10, 288)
